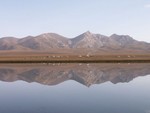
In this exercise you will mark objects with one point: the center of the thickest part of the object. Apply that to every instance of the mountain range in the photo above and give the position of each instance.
(86, 74)
(87, 41)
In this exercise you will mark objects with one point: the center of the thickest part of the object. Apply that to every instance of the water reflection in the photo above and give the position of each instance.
(86, 74)
(18, 96)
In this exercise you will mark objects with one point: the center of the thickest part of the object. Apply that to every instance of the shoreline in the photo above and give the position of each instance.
(55, 58)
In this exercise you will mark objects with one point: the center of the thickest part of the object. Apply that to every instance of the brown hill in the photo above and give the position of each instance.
(86, 42)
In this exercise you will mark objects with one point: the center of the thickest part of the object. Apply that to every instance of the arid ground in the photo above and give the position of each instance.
(70, 57)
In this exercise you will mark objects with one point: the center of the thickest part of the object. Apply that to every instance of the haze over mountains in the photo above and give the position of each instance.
(87, 40)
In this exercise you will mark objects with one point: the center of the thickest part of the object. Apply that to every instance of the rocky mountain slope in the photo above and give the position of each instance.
(87, 40)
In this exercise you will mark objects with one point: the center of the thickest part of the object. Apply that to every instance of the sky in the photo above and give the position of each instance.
(20, 18)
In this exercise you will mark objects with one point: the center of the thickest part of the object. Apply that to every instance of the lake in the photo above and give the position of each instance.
(75, 88)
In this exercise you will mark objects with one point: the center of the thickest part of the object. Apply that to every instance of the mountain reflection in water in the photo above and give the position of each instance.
(86, 74)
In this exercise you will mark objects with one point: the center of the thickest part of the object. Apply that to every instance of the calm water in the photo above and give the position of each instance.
(75, 88)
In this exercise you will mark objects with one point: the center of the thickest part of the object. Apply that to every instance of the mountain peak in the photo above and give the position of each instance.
(46, 35)
(87, 40)
(121, 36)
(87, 33)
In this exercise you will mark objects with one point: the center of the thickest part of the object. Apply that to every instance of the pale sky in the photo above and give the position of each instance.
(20, 18)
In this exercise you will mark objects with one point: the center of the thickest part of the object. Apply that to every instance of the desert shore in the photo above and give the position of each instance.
(72, 58)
